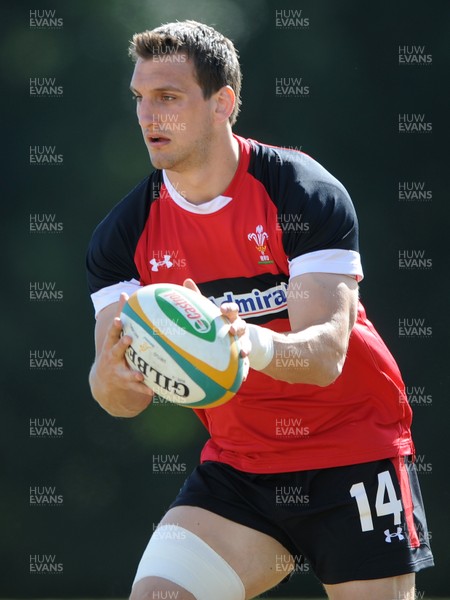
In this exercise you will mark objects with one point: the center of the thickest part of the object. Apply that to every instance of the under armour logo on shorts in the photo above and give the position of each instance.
(390, 535)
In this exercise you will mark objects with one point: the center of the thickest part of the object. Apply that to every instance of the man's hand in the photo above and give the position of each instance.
(238, 327)
(118, 389)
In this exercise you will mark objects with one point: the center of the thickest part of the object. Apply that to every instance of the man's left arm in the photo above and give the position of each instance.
(322, 311)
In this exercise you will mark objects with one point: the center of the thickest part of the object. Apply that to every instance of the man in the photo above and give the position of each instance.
(270, 233)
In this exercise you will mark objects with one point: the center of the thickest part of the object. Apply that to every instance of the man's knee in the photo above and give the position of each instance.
(179, 565)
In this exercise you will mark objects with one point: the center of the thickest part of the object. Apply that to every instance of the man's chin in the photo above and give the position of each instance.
(159, 161)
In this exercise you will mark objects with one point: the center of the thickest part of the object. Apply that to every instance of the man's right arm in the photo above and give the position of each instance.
(118, 389)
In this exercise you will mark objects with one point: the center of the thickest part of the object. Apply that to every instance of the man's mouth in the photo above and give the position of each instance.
(157, 141)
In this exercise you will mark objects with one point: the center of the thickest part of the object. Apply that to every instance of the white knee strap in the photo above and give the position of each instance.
(180, 556)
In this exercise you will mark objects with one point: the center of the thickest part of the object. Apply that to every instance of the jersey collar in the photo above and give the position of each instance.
(221, 201)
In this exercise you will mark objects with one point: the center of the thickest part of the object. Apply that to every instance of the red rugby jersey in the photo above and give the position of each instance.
(282, 215)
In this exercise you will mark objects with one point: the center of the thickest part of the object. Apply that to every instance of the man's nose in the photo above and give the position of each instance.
(147, 115)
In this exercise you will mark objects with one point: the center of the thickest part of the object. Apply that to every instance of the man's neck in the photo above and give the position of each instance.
(207, 181)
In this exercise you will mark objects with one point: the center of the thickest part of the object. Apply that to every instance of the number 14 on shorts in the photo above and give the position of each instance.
(392, 506)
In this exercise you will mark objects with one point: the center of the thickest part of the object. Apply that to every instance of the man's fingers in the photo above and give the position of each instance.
(130, 375)
(120, 347)
(115, 330)
(230, 310)
(246, 346)
(191, 285)
(115, 342)
(122, 301)
(112, 335)
(239, 327)
(141, 388)
(135, 381)
(121, 376)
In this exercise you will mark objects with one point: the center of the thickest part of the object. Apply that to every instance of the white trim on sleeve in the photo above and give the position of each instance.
(110, 294)
(343, 262)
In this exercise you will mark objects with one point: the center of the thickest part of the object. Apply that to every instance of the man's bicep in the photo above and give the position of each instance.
(317, 298)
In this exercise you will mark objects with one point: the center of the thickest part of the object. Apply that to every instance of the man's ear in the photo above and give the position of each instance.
(225, 101)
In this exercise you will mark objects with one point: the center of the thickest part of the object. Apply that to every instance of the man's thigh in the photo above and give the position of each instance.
(253, 555)
(390, 588)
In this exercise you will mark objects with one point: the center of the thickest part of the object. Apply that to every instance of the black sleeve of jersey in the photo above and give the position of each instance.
(315, 211)
(110, 255)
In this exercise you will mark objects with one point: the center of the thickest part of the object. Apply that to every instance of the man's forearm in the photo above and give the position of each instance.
(314, 356)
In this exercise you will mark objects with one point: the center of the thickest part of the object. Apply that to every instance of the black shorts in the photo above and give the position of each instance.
(364, 521)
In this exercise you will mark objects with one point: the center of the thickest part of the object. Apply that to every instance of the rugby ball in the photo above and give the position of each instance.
(182, 345)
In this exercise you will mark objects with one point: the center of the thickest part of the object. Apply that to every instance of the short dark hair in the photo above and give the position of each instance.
(216, 60)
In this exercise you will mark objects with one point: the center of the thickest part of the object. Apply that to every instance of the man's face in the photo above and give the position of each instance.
(176, 121)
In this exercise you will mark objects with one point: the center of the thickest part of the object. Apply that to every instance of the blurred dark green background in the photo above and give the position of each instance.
(108, 499)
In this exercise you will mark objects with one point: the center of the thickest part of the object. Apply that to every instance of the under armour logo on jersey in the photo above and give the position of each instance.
(398, 534)
(166, 262)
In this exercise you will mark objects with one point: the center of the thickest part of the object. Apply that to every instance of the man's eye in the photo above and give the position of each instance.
(168, 98)
(136, 98)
